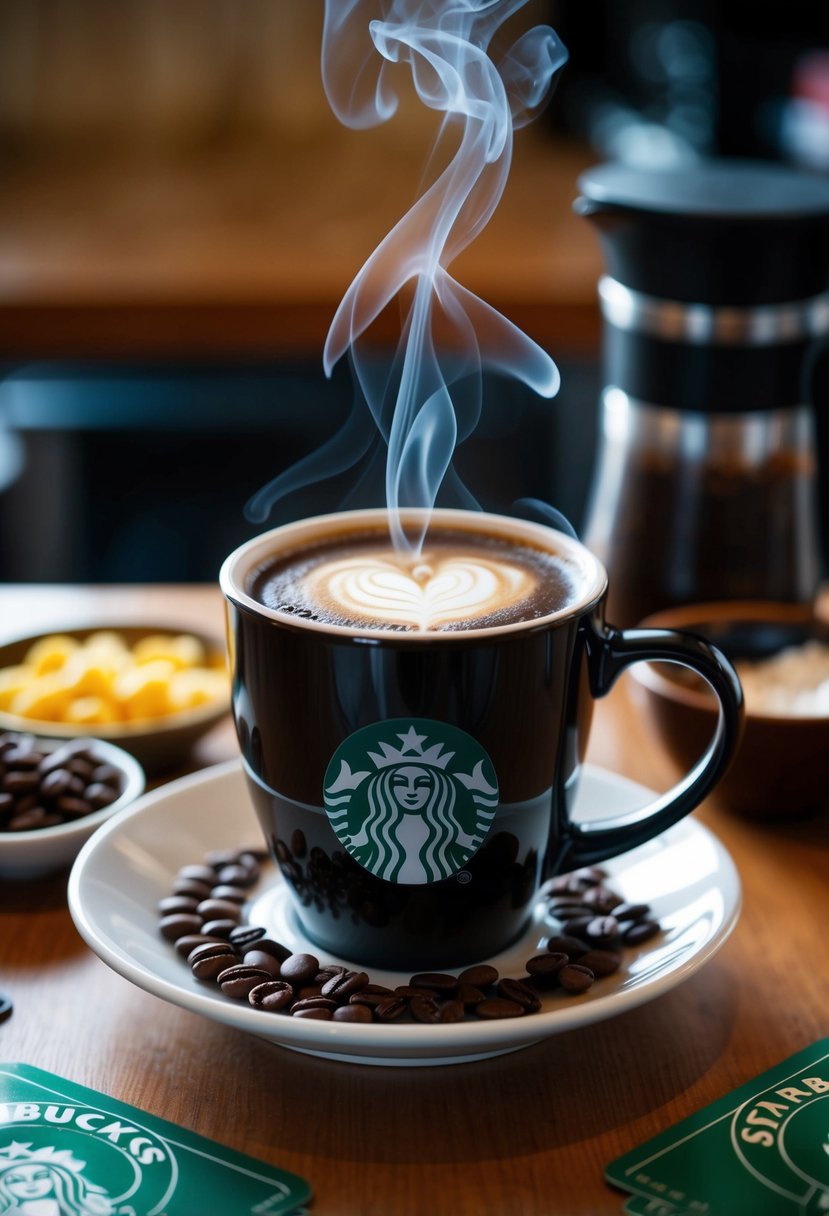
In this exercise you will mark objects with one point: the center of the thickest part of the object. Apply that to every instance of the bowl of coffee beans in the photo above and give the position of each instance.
(54, 794)
(150, 689)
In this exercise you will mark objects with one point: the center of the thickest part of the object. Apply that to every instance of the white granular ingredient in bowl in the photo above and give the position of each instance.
(794, 682)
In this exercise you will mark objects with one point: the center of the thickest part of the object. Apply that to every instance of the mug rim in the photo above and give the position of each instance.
(238, 565)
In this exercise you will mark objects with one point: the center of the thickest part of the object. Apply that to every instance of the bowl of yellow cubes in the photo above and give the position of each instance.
(150, 690)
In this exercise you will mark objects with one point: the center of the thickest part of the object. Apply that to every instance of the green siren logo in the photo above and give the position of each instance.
(62, 1160)
(781, 1136)
(411, 799)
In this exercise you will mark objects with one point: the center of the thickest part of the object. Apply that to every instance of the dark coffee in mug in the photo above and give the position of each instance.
(412, 733)
(459, 580)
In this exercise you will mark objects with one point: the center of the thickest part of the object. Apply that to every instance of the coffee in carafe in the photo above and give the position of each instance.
(715, 300)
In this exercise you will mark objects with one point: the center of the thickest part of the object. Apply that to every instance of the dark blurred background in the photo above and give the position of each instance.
(181, 214)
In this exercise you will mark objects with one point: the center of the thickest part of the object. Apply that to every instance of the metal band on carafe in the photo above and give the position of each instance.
(712, 325)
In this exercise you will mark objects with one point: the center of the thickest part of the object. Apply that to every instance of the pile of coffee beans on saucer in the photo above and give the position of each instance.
(41, 788)
(203, 919)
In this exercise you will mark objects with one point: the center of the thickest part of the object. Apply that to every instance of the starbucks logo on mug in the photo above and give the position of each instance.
(411, 799)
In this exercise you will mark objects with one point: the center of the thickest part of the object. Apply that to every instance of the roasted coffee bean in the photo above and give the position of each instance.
(299, 846)
(567, 944)
(602, 929)
(391, 1009)
(353, 1013)
(81, 767)
(218, 909)
(577, 925)
(6, 1007)
(200, 873)
(452, 1011)
(177, 903)
(314, 1002)
(20, 782)
(544, 968)
(35, 818)
(107, 774)
(299, 968)
(434, 981)
(372, 995)
(425, 1008)
(601, 962)
(326, 973)
(238, 981)
(73, 808)
(481, 976)
(100, 795)
(210, 959)
(575, 978)
(219, 928)
(627, 911)
(272, 995)
(499, 1007)
(252, 860)
(225, 891)
(185, 945)
(407, 992)
(244, 936)
(344, 985)
(189, 886)
(601, 899)
(468, 995)
(520, 993)
(591, 874)
(641, 931)
(178, 924)
(253, 957)
(235, 875)
(55, 783)
(314, 1015)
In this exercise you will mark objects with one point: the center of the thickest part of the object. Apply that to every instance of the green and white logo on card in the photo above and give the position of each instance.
(66, 1150)
(58, 1159)
(411, 799)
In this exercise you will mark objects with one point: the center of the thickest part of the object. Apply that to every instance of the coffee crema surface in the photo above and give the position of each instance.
(461, 580)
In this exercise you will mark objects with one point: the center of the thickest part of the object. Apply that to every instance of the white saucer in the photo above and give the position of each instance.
(686, 876)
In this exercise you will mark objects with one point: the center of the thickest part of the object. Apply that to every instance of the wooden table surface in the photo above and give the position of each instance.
(528, 1133)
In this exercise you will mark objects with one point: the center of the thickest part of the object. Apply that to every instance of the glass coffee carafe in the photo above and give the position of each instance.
(715, 308)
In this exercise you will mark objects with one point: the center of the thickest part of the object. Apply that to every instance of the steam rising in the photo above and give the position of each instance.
(428, 400)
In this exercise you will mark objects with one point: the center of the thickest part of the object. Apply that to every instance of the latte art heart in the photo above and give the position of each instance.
(430, 595)
(462, 580)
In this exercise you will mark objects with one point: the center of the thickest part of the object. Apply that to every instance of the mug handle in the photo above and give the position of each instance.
(609, 651)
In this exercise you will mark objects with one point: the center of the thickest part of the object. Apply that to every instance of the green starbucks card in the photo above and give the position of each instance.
(69, 1151)
(763, 1149)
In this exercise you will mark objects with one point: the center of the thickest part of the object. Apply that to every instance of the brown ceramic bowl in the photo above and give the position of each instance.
(159, 744)
(782, 764)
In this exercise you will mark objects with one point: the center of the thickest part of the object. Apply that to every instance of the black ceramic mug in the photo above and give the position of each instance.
(415, 786)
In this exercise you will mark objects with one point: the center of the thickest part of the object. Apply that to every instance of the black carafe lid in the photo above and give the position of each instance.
(728, 232)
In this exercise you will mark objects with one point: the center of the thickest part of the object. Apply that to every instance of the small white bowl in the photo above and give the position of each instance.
(32, 854)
